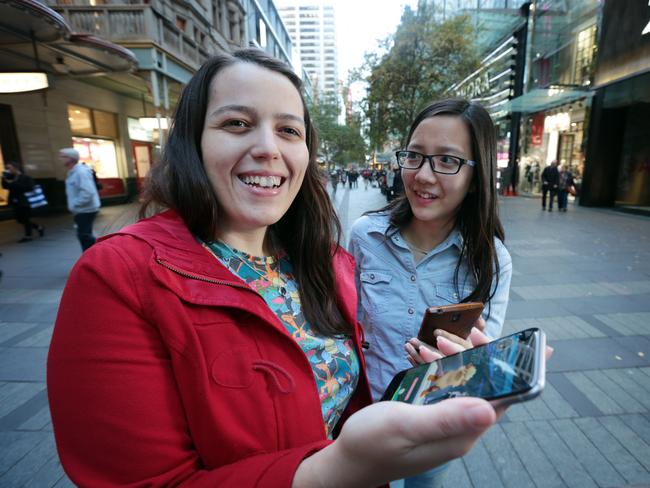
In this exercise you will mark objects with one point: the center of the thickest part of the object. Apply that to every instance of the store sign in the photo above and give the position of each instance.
(476, 87)
(537, 130)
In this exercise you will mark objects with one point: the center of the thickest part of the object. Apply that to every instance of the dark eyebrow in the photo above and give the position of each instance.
(234, 108)
(439, 149)
(251, 112)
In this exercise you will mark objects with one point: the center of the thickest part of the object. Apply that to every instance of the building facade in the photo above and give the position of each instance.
(118, 116)
(312, 27)
(568, 81)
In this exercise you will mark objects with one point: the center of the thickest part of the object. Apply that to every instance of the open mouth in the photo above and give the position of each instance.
(262, 181)
(425, 195)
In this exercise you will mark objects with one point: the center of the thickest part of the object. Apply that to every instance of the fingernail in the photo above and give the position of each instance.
(551, 348)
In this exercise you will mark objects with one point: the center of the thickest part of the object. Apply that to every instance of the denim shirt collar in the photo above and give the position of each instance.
(382, 226)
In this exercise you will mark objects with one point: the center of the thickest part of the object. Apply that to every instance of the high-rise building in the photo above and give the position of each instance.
(311, 25)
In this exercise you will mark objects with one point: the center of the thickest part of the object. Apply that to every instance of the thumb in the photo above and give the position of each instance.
(456, 417)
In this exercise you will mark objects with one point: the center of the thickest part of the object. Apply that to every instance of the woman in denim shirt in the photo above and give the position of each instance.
(440, 243)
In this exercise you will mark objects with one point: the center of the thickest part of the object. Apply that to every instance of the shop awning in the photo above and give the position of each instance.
(541, 99)
(34, 37)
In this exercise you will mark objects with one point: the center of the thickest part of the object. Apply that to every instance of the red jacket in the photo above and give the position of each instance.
(165, 369)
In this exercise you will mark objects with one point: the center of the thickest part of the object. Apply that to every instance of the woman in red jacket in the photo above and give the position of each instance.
(215, 343)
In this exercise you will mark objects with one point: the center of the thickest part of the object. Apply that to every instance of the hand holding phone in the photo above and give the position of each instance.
(456, 319)
(506, 370)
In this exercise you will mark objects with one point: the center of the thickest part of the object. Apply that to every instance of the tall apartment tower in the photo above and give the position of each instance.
(311, 25)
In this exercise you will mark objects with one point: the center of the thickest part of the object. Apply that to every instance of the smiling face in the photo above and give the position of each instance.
(253, 146)
(435, 198)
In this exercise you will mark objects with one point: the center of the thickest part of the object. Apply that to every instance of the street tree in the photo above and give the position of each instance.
(338, 143)
(417, 64)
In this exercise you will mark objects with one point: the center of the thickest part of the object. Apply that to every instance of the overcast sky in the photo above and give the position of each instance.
(360, 23)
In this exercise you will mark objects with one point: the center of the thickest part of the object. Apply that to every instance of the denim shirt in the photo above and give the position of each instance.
(394, 291)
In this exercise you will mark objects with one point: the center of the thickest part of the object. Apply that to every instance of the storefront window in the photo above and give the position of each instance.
(80, 120)
(105, 124)
(100, 154)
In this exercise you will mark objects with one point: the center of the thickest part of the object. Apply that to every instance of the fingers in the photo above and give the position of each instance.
(449, 343)
(549, 352)
(478, 338)
(420, 353)
(481, 324)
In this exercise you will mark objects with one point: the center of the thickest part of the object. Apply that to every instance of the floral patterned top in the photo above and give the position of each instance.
(333, 359)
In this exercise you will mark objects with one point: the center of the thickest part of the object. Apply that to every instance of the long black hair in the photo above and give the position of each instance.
(309, 231)
(477, 218)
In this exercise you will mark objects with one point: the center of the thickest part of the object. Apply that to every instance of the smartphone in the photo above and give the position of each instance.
(507, 370)
(457, 319)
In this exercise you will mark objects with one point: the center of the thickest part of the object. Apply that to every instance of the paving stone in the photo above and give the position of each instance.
(537, 464)
(629, 439)
(9, 330)
(506, 459)
(615, 392)
(480, 468)
(599, 468)
(13, 395)
(639, 424)
(626, 379)
(595, 393)
(613, 451)
(457, 476)
(21, 472)
(15, 445)
(563, 460)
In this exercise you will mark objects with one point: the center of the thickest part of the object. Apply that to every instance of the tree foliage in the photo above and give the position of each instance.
(421, 60)
(338, 143)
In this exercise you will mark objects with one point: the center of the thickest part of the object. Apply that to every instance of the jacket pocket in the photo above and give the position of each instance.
(375, 290)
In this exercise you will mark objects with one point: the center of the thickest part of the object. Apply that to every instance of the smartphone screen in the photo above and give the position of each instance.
(506, 367)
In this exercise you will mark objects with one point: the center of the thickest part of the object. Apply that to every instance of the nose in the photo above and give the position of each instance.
(265, 145)
(426, 173)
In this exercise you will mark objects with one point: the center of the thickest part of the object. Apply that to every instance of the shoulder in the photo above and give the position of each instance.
(505, 260)
(367, 224)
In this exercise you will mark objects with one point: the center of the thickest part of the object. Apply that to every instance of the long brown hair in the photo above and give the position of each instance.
(477, 218)
(309, 231)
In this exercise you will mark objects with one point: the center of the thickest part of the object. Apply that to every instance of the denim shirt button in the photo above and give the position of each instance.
(413, 278)
(372, 276)
(411, 311)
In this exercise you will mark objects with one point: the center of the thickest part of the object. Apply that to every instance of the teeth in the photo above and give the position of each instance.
(424, 195)
(263, 181)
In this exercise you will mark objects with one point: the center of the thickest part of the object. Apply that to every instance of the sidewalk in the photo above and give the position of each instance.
(583, 276)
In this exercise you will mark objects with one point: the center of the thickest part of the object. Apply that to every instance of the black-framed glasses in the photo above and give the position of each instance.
(440, 163)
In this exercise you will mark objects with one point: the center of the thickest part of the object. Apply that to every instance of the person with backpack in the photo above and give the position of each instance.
(82, 195)
(18, 183)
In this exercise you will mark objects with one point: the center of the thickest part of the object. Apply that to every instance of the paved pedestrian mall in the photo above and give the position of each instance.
(582, 276)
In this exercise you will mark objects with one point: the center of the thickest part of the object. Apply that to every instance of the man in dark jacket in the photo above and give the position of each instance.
(17, 182)
(550, 183)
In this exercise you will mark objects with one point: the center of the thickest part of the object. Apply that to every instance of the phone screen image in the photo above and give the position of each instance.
(502, 368)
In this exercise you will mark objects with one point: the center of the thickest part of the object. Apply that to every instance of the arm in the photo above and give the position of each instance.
(498, 305)
(116, 409)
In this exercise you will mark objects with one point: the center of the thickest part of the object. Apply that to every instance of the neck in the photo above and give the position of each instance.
(252, 242)
(427, 235)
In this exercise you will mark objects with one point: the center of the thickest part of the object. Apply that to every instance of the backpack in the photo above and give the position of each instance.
(98, 185)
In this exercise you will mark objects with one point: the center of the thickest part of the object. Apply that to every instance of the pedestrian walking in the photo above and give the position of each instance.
(550, 183)
(82, 195)
(18, 184)
(565, 186)
(440, 243)
(216, 344)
